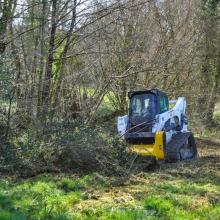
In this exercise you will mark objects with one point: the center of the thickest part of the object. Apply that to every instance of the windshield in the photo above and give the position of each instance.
(143, 107)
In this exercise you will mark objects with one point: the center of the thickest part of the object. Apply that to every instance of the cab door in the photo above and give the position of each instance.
(163, 104)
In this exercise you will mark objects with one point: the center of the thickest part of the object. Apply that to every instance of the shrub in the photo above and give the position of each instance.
(69, 146)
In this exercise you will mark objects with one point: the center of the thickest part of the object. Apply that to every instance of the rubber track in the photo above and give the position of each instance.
(172, 149)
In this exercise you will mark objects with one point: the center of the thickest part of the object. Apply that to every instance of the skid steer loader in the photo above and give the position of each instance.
(157, 127)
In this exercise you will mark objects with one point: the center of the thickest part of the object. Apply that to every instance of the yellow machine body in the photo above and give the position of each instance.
(156, 150)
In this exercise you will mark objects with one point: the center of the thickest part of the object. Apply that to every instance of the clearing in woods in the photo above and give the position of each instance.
(186, 190)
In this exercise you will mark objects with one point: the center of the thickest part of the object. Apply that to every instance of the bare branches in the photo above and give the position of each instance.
(74, 48)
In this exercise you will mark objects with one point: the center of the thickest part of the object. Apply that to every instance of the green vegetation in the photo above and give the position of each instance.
(40, 198)
(65, 146)
(188, 190)
(88, 197)
(66, 68)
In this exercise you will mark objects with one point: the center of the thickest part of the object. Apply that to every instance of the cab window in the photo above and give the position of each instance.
(136, 107)
(163, 104)
(143, 105)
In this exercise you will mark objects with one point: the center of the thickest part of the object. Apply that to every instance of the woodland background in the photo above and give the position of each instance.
(65, 69)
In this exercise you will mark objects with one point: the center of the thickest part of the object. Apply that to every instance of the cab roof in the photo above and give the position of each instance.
(156, 92)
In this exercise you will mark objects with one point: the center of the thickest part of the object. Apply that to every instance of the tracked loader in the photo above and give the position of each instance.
(156, 127)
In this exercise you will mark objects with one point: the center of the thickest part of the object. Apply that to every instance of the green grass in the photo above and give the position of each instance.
(164, 194)
(44, 197)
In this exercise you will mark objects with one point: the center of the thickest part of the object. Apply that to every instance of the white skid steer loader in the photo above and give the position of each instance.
(156, 130)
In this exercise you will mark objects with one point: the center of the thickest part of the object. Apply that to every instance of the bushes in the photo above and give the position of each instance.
(68, 146)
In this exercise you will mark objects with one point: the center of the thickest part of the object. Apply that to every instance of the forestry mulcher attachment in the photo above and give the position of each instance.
(156, 127)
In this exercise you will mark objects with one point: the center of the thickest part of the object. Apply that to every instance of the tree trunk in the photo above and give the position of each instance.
(42, 53)
(63, 60)
(17, 63)
(49, 65)
(6, 14)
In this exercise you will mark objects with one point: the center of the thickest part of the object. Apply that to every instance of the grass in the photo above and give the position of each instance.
(43, 197)
(187, 190)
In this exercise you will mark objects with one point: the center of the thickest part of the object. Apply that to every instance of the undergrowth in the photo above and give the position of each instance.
(67, 146)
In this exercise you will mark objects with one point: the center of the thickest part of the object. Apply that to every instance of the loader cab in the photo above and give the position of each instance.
(142, 106)
(145, 105)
